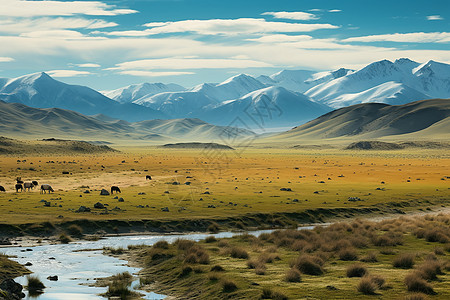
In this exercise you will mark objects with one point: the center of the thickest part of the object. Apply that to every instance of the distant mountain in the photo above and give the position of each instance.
(266, 108)
(42, 91)
(384, 81)
(19, 120)
(136, 91)
(425, 119)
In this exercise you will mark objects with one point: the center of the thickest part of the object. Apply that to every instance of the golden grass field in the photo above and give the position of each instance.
(239, 182)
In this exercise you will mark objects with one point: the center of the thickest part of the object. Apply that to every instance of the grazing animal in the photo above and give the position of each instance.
(35, 183)
(28, 185)
(115, 189)
(19, 180)
(2, 189)
(46, 187)
(148, 177)
(19, 187)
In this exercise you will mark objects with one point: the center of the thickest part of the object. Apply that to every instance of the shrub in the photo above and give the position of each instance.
(293, 275)
(213, 227)
(415, 283)
(238, 252)
(161, 245)
(378, 280)
(367, 286)
(356, 270)
(429, 270)
(196, 254)
(185, 271)
(370, 257)
(404, 261)
(34, 284)
(75, 230)
(183, 244)
(228, 286)
(223, 244)
(64, 238)
(210, 239)
(415, 296)
(213, 277)
(348, 254)
(268, 293)
(308, 265)
(217, 268)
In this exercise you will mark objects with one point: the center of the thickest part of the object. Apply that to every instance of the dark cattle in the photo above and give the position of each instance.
(2, 189)
(19, 187)
(35, 183)
(45, 188)
(148, 177)
(28, 186)
(19, 180)
(115, 189)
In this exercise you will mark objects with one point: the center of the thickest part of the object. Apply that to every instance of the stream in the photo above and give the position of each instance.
(77, 269)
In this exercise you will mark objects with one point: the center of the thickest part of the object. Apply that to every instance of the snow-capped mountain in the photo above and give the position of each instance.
(134, 92)
(266, 108)
(42, 91)
(386, 82)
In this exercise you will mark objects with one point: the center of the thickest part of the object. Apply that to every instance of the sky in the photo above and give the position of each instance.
(107, 44)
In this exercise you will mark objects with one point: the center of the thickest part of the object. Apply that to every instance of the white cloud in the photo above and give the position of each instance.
(295, 15)
(223, 27)
(334, 10)
(153, 74)
(434, 18)
(6, 59)
(88, 65)
(67, 73)
(23, 8)
(14, 26)
(414, 37)
(190, 63)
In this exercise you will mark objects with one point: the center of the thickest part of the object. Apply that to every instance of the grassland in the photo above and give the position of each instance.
(242, 188)
(401, 258)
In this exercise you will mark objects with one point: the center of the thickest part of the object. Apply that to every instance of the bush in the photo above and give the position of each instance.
(161, 245)
(378, 280)
(293, 275)
(196, 255)
(119, 289)
(64, 238)
(228, 286)
(415, 283)
(213, 227)
(370, 257)
(217, 268)
(238, 252)
(183, 244)
(356, 270)
(267, 293)
(223, 244)
(404, 261)
(210, 239)
(429, 270)
(367, 286)
(34, 284)
(75, 230)
(348, 254)
(308, 265)
(260, 270)
(185, 271)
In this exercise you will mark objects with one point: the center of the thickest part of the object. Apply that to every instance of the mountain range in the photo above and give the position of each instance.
(285, 99)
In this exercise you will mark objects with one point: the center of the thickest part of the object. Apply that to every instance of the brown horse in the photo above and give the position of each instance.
(35, 183)
(19, 187)
(115, 189)
(148, 177)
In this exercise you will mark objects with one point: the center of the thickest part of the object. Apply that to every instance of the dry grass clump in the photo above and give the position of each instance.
(404, 261)
(196, 255)
(183, 244)
(415, 296)
(356, 270)
(430, 269)
(293, 275)
(238, 252)
(367, 286)
(348, 254)
(75, 230)
(161, 245)
(217, 268)
(310, 265)
(34, 284)
(64, 238)
(223, 244)
(213, 227)
(228, 285)
(415, 283)
(370, 257)
(210, 239)
(268, 293)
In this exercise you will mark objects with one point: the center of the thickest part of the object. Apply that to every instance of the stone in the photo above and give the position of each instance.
(104, 192)
(99, 205)
(83, 209)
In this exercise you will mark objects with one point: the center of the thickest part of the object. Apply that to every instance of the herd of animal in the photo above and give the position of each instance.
(21, 186)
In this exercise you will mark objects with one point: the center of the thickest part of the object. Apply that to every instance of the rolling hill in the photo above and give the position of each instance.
(425, 120)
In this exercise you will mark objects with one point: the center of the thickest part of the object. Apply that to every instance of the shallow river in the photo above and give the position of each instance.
(77, 270)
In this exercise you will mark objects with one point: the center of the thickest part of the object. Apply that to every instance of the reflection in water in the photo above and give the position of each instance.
(77, 271)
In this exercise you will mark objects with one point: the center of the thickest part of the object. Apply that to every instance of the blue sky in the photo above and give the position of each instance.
(107, 44)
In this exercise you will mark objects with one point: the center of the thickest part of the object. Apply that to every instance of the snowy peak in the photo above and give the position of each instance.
(136, 91)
